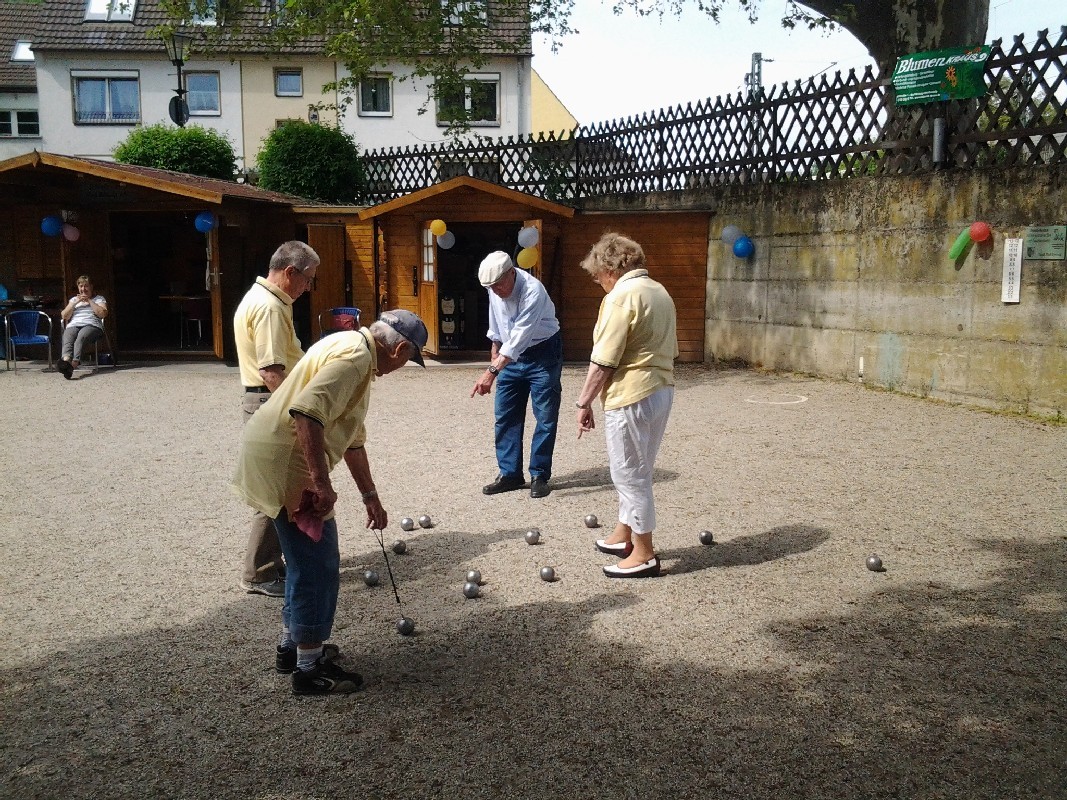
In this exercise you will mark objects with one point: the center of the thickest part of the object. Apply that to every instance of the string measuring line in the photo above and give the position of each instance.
(389, 569)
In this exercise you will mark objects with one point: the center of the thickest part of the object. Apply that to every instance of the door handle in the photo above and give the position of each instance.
(415, 280)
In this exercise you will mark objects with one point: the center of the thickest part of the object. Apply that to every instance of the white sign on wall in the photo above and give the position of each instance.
(1013, 267)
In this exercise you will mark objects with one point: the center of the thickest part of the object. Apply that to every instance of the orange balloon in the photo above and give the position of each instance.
(438, 227)
(527, 257)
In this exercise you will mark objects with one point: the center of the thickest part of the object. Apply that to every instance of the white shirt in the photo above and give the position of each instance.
(527, 317)
(83, 314)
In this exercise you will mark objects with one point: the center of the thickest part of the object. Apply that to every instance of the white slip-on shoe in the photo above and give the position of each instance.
(649, 569)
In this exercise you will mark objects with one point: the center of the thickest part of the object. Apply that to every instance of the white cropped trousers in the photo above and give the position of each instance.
(633, 435)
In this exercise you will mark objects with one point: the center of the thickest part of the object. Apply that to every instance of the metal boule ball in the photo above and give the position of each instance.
(407, 524)
(400, 547)
(874, 563)
(370, 577)
(533, 536)
(425, 521)
(548, 574)
(591, 521)
(471, 590)
(706, 537)
(474, 576)
(405, 626)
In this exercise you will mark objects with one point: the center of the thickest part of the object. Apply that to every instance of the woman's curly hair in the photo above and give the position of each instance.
(614, 253)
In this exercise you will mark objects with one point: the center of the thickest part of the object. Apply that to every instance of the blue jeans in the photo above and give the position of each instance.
(312, 579)
(535, 376)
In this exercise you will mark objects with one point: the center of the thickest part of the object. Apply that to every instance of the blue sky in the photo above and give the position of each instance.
(621, 66)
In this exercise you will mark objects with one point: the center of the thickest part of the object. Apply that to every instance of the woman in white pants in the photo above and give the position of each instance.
(631, 369)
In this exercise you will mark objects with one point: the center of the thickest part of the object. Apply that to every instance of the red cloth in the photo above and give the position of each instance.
(306, 519)
(344, 322)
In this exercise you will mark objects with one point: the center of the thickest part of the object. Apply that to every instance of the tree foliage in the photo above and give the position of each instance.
(193, 149)
(318, 162)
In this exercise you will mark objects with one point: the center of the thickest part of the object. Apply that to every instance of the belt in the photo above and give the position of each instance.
(534, 352)
(257, 389)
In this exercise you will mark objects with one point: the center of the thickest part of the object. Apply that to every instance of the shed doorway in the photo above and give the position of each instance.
(462, 302)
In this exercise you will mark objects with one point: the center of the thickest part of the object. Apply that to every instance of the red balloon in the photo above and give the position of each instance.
(980, 231)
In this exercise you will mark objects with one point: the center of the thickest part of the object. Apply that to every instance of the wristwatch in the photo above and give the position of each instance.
(582, 405)
(493, 370)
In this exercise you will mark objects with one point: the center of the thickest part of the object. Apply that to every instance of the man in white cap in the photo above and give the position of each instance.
(314, 419)
(526, 361)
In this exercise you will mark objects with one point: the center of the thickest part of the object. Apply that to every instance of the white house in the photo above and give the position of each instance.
(98, 74)
(20, 129)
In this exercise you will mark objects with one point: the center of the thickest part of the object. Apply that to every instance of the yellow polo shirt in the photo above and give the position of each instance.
(263, 332)
(636, 334)
(330, 384)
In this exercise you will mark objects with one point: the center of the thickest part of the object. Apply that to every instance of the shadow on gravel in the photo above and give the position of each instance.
(924, 691)
(785, 540)
(600, 478)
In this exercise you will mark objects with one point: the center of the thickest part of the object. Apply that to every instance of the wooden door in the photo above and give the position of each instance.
(328, 289)
(426, 287)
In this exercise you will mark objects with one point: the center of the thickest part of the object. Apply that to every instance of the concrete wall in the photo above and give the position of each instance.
(859, 269)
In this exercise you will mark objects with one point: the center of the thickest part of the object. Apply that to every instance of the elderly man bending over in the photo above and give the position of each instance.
(313, 420)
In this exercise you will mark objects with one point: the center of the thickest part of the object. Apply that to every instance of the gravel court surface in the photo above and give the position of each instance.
(771, 664)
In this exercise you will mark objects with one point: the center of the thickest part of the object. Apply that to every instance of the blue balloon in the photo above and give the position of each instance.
(52, 226)
(205, 221)
(743, 247)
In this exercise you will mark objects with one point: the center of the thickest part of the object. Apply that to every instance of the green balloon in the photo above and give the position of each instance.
(960, 244)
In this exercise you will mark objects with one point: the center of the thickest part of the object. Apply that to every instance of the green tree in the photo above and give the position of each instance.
(195, 150)
(318, 162)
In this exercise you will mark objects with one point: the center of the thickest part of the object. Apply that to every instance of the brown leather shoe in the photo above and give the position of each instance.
(504, 483)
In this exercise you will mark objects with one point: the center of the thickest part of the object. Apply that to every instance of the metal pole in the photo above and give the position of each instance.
(181, 96)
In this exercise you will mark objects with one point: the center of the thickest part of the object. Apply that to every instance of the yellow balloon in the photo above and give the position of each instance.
(527, 257)
(438, 227)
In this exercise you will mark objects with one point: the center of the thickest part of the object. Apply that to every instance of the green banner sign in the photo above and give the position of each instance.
(952, 74)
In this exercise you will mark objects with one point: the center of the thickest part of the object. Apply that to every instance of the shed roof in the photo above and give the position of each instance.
(208, 190)
(465, 181)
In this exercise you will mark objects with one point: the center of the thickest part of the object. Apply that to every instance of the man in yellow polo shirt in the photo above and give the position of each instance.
(267, 349)
(314, 420)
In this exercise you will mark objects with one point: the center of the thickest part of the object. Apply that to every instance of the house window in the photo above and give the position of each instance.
(376, 96)
(110, 10)
(202, 94)
(19, 123)
(464, 12)
(107, 99)
(479, 98)
(288, 83)
(22, 51)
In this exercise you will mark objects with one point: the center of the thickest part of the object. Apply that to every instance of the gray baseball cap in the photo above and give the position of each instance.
(410, 327)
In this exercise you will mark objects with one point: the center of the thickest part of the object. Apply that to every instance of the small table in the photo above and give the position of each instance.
(183, 300)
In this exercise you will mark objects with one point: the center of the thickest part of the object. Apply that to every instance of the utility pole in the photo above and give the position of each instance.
(754, 79)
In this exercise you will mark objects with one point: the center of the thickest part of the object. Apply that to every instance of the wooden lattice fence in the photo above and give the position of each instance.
(826, 128)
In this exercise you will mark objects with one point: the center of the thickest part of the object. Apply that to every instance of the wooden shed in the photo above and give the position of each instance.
(386, 256)
(137, 239)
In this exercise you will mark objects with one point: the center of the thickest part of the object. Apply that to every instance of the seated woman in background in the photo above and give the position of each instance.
(84, 320)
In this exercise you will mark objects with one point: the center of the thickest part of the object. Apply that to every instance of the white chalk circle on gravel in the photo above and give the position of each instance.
(778, 400)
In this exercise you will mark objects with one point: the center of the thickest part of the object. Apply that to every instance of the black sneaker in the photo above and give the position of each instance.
(285, 659)
(326, 678)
